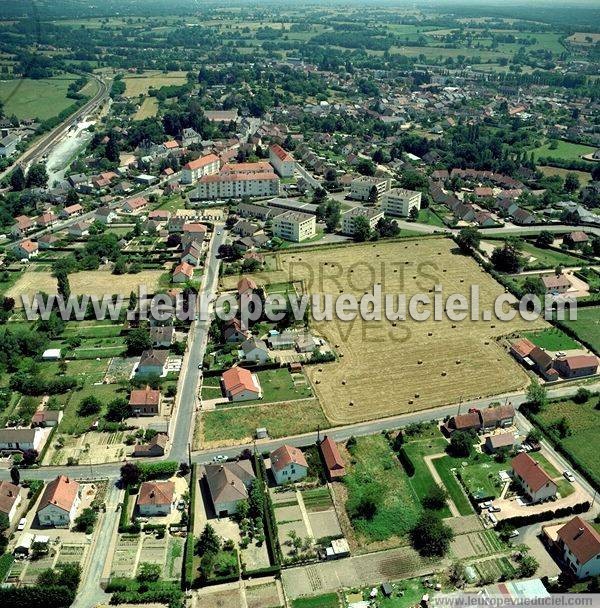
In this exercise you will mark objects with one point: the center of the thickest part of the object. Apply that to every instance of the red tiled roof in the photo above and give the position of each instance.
(287, 454)
(580, 361)
(201, 162)
(332, 457)
(523, 347)
(144, 396)
(281, 153)
(61, 492)
(466, 421)
(530, 471)
(185, 268)
(581, 538)
(156, 493)
(9, 493)
(238, 379)
(245, 284)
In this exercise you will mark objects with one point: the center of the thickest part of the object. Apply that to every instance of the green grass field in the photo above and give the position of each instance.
(444, 468)
(377, 474)
(327, 600)
(564, 151)
(547, 258)
(278, 385)
(427, 216)
(587, 326)
(551, 339)
(39, 99)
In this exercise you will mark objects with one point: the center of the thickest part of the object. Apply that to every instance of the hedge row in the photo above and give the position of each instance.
(533, 518)
(187, 576)
(6, 562)
(124, 524)
(153, 470)
(406, 462)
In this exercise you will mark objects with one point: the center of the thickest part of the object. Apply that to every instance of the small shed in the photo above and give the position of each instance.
(51, 354)
(261, 433)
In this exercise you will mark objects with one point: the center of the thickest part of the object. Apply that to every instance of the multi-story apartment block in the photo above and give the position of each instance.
(399, 201)
(294, 226)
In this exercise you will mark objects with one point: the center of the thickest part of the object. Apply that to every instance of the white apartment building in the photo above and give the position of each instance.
(283, 161)
(295, 226)
(360, 188)
(237, 185)
(399, 201)
(373, 215)
(196, 169)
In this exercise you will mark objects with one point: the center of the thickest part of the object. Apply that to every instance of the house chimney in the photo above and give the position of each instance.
(151, 493)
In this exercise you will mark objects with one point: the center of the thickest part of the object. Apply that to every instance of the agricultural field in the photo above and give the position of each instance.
(148, 108)
(428, 363)
(565, 150)
(552, 339)
(587, 326)
(140, 84)
(235, 424)
(584, 176)
(583, 420)
(37, 99)
(90, 282)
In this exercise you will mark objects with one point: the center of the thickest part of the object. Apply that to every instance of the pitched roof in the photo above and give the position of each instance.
(581, 538)
(9, 493)
(201, 162)
(144, 396)
(523, 347)
(185, 268)
(245, 284)
(227, 481)
(541, 358)
(153, 357)
(29, 246)
(12, 435)
(287, 454)
(556, 280)
(331, 454)
(502, 440)
(469, 420)
(281, 153)
(156, 493)
(194, 227)
(61, 492)
(575, 362)
(496, 414)
(237, 380)
(530, 471)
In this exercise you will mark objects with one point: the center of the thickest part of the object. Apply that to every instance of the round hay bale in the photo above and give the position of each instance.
(420, 362)
(444, 373)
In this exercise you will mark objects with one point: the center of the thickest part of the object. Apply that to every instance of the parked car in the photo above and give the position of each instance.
(22, 524)
(569, 476)
(514, 534)
(495, 509)
(181, 504)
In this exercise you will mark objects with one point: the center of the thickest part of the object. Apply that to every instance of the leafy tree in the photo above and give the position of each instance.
(362, 229)
(431, 537)
(148, 573)
(387, 228)
(208, 542)
(89, 406)
(506, 258)
(571, 183)
(332, 215)
(111, 152)
(17, 179)
(138, 340)
(366, 167)
(30, 457)
(413, 214)
(544, 239)
(435, 499)
(256, 501)
(4, 523)
(86, 520)
(15, 475)
(468, 239)
(37, 176)
(413, 180)
(461, 444)
(72, 197)
(582, 395)
(130, 474)
(528, 566)
(537, 396)
(533, 285)
(117, 410)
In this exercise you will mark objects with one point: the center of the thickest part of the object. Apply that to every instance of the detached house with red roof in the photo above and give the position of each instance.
(332, 458)
(579, 544)
(145, 401)
(27, 249)
(288, 464)
(10, 499)
(240, 384)
(59, 502)
(134, 204)
(283, 161)
(529, 474)
(156, 498)
(183, 272)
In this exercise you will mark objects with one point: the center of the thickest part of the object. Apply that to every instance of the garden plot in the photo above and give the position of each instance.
(429, 363)
(174, 559)
(89, 448)
(209, 598)
(125, 556)
(262, 596)
(476, 544)
(495, 569)
(72, 553)
(120, 369)
(153, 551)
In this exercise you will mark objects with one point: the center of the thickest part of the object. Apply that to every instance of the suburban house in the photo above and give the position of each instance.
(162, 336)
(59, 502)
(294, 226)
(365, 188)
(575, 238)
(348, 218)
(27, 249)
(8, 144)
(288, 464)
(155, 498)
(228, 484)
(195, 169)
(183, 272)
(10, 499)
(254, 350)
(556, 283)
(332, 458)
(244, 228)
(134, 204)
(240, 384)
(46, 219)
(499, 442)
(523, 217)
(306, 342)
(22, 226)
(153, 362)
(45, 418)
(71, 211)
(400, 202)
(191, 254)
(20, 439)
(283, 161)
(79, 229)
(521, 349)
(234, 332)
(543, 363)
(155, 447)
(536, 483)
(469, 421)
(246, 286)
(105, 215)
(145, 401)
(193, 231)
(576, 366)
(579, 544)
(497, 417)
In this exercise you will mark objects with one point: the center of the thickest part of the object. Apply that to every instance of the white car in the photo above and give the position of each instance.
(22, 524)
(514, 534)
(486, 505)
(569, 476)
(181, 505)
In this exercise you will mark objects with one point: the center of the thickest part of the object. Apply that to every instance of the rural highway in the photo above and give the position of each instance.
(33, 154)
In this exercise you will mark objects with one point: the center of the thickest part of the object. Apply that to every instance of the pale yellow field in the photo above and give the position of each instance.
(96, 282)
(148, 108)
(139, 84)
(385, 370)
(584, 176)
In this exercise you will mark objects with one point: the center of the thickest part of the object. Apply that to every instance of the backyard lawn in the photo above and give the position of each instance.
(327, 600)
(586, 326)
(444, 467)
(565, 150)
(547, 259)
(552, 339)
(279, 385)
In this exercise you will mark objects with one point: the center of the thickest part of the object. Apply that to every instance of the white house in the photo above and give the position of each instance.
(579, 543)
(10, 499)
(282, 160)
(254, 350)
(156, 497)
(59, 502)
(228, 484)
(400, 202)
(288, 464)
(20, 439)
(529, 474)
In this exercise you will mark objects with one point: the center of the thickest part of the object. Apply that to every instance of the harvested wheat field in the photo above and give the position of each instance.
(90, 282)
(384, 370)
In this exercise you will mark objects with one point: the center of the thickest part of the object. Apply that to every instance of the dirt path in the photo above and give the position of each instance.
(453, 509)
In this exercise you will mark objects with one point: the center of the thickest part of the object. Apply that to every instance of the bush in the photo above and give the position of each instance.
(154, 470)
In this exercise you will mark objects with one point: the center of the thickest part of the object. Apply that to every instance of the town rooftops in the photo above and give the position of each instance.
(156, 493)
(469, 420)
(29, 246)
(203, 161)
(9, 493)
(287, 454)
(295, 216)
(578, 236)
(61, 493)
(194, 228)
(77, 208)
(541, 358)
(581, 538)
(367, 212)
(530, 471)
